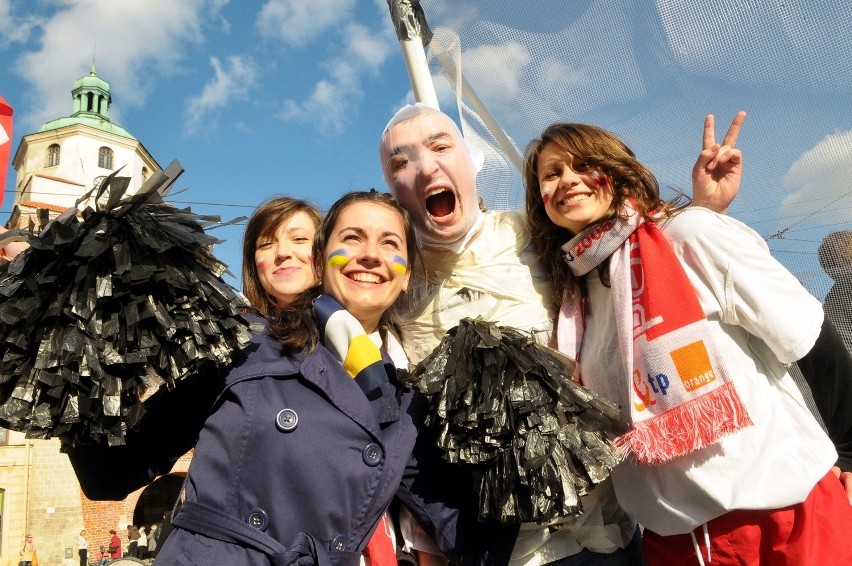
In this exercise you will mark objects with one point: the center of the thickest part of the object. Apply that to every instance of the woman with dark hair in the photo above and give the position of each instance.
(310, 433)
(683, 318)
(277, 263)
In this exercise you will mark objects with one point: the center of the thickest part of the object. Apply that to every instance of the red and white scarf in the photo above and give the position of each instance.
(680, 393)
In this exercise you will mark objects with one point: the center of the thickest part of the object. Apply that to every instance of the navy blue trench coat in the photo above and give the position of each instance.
(293, 465)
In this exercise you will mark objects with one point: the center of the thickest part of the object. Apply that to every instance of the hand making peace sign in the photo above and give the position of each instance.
(718, 170)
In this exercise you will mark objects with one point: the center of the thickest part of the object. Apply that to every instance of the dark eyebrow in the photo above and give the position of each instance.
(436, 136)
(361, 232)
(387, 233)
(432, 138)
(357, 229)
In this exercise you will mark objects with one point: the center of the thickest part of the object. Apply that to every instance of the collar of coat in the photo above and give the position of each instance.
(319, 367)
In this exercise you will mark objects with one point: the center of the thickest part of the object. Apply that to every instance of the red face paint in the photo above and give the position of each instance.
(599, 178)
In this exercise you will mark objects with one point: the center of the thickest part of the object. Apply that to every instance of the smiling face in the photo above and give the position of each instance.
(429, 171)
(283, 259)
(574, 193)
(366, 261)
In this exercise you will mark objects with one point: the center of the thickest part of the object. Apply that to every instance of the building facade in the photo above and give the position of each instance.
(39, 494)
(69, 156)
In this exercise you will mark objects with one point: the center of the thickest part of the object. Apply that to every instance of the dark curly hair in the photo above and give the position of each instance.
(603, 151)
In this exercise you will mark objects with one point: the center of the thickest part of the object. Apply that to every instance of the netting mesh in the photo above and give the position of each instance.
(650, 72)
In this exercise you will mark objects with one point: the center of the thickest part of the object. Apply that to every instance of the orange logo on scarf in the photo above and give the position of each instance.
(693, 364)
(642, 391)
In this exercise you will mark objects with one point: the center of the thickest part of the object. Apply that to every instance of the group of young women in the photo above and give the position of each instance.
(678, 314)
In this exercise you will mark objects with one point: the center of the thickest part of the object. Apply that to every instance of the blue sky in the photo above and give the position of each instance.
(264, 97)
(255, 98)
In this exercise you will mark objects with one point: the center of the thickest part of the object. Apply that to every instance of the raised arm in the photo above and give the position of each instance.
(718, 170)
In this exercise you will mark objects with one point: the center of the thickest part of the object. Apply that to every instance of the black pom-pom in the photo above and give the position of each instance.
(106, 304)
(508, 408)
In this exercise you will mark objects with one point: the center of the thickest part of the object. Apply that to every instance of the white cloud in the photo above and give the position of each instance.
(132, 43)
(366, 47)
(233, 81)
(820, 177)
(556, 74)
(297, 22)
(495, 70)
(335, 96)
(14, 29)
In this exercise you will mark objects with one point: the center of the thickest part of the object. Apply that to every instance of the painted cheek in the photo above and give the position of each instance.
(337, 258)
(598, 178)
(545, 196)
(260, 263)
(399, 265)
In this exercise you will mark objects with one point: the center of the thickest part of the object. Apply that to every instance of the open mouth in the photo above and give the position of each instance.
(441, 203)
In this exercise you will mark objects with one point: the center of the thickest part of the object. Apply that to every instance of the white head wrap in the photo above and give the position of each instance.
(411, 111)
(477, 159)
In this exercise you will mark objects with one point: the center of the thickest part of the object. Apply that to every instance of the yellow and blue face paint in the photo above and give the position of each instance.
(337, 258)
(399, 265)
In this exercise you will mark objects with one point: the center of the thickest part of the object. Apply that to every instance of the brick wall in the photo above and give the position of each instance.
(53, 508)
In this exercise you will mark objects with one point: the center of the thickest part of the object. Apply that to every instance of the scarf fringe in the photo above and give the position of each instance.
(685, 428)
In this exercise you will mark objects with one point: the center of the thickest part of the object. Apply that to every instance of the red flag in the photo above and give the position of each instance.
(5, 143)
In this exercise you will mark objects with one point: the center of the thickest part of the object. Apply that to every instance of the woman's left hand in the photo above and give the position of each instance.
(718, 170)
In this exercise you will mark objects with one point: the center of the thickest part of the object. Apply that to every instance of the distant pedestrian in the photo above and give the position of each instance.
(133, 538)
(164, 531)
(28, 552)
(114, 545)
(142, 544)
(83, 548)
(153, 540)
(103, 556)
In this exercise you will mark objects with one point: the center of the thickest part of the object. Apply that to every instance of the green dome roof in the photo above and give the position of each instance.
(91, 80)
(91, 107)
(87, 120)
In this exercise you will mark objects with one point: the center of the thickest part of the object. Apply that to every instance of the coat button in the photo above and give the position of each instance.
(286, 420)
(372, 454)
(339, 543)
(258, 519)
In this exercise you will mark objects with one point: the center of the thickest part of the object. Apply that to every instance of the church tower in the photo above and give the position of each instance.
(69, 156)
(39, 492)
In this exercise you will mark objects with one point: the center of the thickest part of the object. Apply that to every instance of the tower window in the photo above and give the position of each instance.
(105, 158)
(53, 155)
(145, 174)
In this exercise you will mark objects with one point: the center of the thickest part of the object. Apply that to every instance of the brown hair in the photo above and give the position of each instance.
(603, 151)
(294, 327)
(264, 222)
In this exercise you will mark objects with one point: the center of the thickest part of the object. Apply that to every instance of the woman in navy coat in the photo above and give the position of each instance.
(296, 461)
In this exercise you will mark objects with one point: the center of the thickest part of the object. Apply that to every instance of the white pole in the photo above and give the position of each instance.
(499, 135)
(412, 30)
(418, 71)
